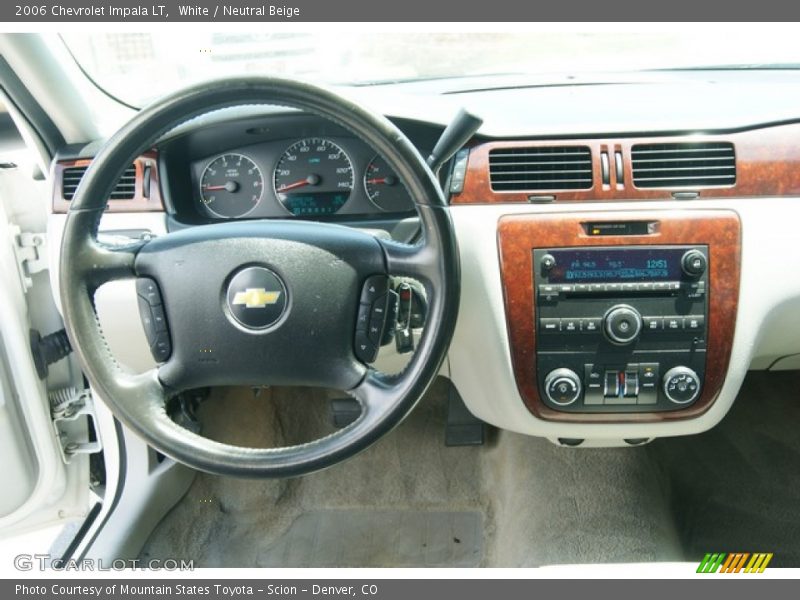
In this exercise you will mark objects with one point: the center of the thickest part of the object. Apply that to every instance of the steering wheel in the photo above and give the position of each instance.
(272, 302)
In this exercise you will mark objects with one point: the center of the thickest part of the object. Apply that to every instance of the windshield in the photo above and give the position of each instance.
(138, 67)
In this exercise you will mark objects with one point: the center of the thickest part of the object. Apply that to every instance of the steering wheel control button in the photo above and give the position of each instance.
(392, 309)
(159, 319)
(681, 385)
(374, 287)
(161, 347)
(377, 317)
(366, 350)
(362, 319)
(256, 298)
(562, 386)
(622, 324)
(147, 289)
(154, 320)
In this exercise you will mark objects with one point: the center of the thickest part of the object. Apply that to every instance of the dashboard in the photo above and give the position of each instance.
(620, 195)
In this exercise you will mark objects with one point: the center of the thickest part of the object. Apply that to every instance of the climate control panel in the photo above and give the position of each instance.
(622, 328)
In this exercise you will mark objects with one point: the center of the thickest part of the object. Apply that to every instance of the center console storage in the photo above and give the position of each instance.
(620, 316)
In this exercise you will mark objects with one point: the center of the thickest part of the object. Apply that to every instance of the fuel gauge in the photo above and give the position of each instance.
(384, 187)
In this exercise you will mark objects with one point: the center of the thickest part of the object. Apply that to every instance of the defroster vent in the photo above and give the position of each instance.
(691, 164)
(541, 168)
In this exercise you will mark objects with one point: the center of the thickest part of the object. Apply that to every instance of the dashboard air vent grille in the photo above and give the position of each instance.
(544, 168)
(691, 164)
(124, 190)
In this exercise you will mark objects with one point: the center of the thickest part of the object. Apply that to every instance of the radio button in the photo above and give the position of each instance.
(653, 323)
(549, 325)
(630, 287)
(566, 288)
(581, 288)
(673, 323)
(695, 290)
(613, 287)
(660, 286)
(548, 292)
(571, 325)
(591, 325)
(646, 286)
(694, 322)
(674, 285)
(597, 288)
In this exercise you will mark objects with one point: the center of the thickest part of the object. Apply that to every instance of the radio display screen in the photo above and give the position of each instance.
(616, 264)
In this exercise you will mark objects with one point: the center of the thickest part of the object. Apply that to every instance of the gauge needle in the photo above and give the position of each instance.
(388, 180)
(229, 186)
(312, 179)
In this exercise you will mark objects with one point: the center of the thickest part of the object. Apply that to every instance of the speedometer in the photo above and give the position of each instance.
(313, 177)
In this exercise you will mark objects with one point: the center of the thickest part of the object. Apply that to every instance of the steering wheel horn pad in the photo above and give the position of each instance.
(307, 283)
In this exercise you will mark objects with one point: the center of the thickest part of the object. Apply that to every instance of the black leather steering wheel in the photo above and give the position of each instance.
(319, 272)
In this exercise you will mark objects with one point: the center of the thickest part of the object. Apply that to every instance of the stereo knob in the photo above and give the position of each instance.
(563, 386)
(681, 385)
(622, 324)
(548, 262)
(694, 263)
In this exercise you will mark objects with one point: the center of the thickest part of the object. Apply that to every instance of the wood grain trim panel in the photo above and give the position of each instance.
(767, 164)
(139, 202)
(519, 235)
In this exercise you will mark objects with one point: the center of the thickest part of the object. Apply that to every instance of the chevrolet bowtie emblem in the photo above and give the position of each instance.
(255, 298)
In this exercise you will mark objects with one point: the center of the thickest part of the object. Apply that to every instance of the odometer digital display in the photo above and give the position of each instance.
(313, 177)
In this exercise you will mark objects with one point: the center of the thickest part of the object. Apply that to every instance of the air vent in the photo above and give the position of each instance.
(124, 190)
(546, 168)
(702, 164)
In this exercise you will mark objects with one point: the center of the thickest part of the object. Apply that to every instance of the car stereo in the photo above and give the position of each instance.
(621, 328)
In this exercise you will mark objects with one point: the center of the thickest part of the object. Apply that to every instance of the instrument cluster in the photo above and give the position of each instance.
(311, 177)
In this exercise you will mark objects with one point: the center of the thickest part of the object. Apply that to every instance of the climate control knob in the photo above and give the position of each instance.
(622, 324)
(563, 386)
(681, 385)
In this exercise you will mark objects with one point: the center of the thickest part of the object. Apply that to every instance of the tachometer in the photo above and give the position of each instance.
(231, 186)
(384, 187)
(313, 177)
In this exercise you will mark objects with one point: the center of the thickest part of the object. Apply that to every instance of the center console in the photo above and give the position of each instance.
(620, 316)
(621, 328)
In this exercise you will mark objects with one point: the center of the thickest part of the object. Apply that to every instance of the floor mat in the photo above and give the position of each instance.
(350, 538)
(411, 500)
(736, 488)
